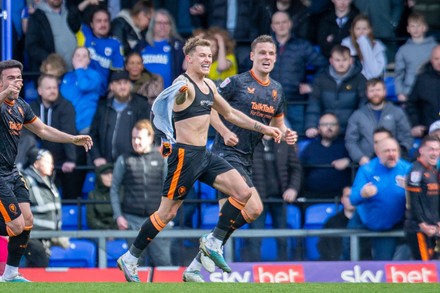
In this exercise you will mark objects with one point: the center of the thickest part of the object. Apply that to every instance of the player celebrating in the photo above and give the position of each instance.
(261, 98)
(15, 211)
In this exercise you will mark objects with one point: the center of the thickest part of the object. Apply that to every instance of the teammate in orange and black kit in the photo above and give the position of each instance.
(422, 224)
(261, 98)
(15, 212)
(189, 160)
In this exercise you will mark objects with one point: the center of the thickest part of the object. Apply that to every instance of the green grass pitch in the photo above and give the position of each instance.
(216, 287)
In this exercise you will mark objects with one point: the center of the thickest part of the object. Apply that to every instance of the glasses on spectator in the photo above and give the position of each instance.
(330, 124)
(162, 22)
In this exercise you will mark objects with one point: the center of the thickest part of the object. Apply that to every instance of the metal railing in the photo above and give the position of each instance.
(101, 235)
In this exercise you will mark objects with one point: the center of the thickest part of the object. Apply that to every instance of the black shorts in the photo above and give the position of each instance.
(13, 190)
(240, 165)
(186, 164)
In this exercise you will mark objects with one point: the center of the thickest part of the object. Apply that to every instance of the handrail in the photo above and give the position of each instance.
(101, 235)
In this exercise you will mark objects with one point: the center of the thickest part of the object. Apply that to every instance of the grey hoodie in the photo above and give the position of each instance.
(409, 59)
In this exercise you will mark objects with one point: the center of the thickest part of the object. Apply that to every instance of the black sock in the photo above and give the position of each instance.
(16, 247)
(239, 222)
(150, 228)
(3, 231)
(229, 212)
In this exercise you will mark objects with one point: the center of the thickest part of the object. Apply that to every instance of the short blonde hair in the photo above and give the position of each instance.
(194, 42)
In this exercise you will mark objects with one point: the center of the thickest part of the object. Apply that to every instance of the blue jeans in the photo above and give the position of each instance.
(382, 248)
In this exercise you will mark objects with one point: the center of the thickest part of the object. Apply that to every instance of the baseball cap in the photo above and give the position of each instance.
(118, 75)
(434, 126)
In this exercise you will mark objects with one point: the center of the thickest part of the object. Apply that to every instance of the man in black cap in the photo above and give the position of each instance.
(115, 118)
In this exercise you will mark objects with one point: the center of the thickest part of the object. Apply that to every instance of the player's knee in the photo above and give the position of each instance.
(245, 194)
(167, 217)
(255, 212)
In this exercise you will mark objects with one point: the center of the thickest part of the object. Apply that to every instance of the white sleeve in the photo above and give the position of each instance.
(374, 59)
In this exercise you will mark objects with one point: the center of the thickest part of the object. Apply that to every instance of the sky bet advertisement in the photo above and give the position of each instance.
(352, 272)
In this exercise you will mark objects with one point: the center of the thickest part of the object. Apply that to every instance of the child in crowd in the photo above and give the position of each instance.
(369, 51)
(412, 55)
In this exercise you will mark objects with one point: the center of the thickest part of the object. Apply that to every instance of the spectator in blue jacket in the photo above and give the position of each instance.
(378, 193)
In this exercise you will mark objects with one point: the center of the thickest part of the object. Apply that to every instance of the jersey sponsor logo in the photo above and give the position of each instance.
(262, 107)
(157, 59)
(251, 90)
(14, 128)
(103, 61)
(225, 82)
(206, 103)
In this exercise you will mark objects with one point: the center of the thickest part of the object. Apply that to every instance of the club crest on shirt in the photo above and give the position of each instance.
(274, 94)
(400, 181)
(107, 51)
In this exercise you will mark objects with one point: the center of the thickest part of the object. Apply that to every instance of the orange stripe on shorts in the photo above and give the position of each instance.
(176, 176)
(4, 213)
(422, 246)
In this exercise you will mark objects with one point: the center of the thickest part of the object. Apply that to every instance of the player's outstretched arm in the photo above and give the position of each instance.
(54, 135)
(229, 137)
(240, 119)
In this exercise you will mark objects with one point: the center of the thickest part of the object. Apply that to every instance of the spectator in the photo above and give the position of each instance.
(339, 90)
(276, 172)
(369, 51)
(48, 32)
(224, 63)
(434, 129)
(326, 182)
(105, 51)
(81, 87)
(144, 82)
(378, 193)
(163, 53)
(27, 142)
(376, 113)
(424, 101)
(385, 17)
(330, 248)
(294, 55)
(412, 55)
(430, 9)
(59, 113)
(140, 175)
(422, 225)
(45, 206)
(130, 26)
(54, 65)
(335, 25)
(100, 215)
(114, 119)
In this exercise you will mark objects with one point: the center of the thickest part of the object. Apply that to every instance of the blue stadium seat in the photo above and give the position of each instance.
(209, 216)
(206, 191)
(80, 254)
(70, 217)
(302, 144)
(315, 217)
(391, 88)
(89, 183)
(269, 249)
(115, 248)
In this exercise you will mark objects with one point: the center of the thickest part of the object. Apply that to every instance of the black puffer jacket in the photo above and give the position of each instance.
(424, 101)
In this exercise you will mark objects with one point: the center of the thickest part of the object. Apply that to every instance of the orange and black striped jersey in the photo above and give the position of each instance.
(422, 196)
(14, 114)
(259, 100)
